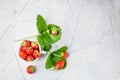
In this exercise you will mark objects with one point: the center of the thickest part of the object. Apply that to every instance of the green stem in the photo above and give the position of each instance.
(56, 55)
(25, 38)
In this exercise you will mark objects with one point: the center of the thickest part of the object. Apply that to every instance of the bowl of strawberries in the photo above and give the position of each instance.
(29, 51)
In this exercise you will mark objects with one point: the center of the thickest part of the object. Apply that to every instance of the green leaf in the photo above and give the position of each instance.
(59, 51)
(40, 41)
(45, 45)
(49, 63)
(64, 48)
(52, 37)
(41, 24)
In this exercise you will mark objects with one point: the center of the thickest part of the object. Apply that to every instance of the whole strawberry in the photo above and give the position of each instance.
(30, 58)
(30, 69)
(34, 45)
(36, 54)
(54, 32)
(22, 54)
(60, 64)
(64, 54)
(26, 43)
(23, 48)
(29, 50)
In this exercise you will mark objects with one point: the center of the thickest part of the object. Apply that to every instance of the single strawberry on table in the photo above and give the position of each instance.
(30, 69)
(60, 64)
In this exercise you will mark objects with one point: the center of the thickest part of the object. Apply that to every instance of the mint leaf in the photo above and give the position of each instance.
(41, 24)
(49, 62)
(52, 37)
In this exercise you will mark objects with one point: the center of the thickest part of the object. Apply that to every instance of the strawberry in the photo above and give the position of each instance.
(30, 58)
(29, 50)
(54, 32)
(34, 45)
(26, 43)
(23, 48)
(30, 69)
(36, 54)
(64, 54)
(59, 65)
(22, 54)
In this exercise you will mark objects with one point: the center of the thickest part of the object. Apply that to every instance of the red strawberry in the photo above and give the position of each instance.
(29, 50)
(22, 54)
(54, 32)
(64, 54)
(26, 43)
(34, 45)
(30, 69)
(30, 58)
(36, 54)
(59, 65)
(23, 48)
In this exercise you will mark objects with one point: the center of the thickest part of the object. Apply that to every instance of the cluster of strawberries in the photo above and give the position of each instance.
(29, 50)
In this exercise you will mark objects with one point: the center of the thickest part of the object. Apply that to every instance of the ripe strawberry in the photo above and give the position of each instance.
(64, 54)
(59, 65)
(30, 69)
(26, 43)
(22, 54)
(54, 32)
(34, 45)
(30, 58)
(29, 50)
(23, 48)
(36, 54)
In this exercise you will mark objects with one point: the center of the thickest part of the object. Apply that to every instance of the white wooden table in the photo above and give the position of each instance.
(91, 29)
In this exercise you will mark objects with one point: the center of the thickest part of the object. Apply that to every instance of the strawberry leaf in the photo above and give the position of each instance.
(41, 24)
(44, 43)
(59, 32)
(59, 51)
(40, 41)
(49, 62)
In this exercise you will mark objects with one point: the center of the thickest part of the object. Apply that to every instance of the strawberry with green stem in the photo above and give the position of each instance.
(64, 54)
(36, 54)
(30, 69)
(59, 65)
(34, 45)
(26, 43)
